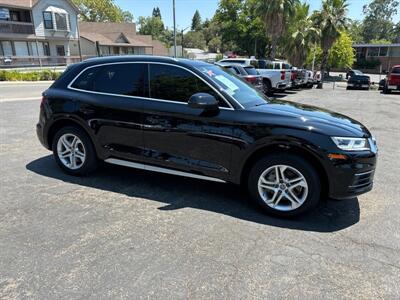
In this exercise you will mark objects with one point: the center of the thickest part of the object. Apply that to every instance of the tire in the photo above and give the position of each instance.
(83, 145)
(268, 88)
(309, 193)
(386, 90)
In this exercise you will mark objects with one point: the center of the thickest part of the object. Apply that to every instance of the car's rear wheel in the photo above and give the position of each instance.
(73, 151)
(284, 185)
(268, 88)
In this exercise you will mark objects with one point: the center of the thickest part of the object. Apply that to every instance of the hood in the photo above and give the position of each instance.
(311, 118)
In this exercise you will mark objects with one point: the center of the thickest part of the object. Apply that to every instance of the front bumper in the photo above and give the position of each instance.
(352, 177)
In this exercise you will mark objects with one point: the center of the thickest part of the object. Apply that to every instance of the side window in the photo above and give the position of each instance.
(176, 84)
(120, 79)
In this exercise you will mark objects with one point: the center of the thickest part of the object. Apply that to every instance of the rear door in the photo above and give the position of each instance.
(179, 137)
(110, 99)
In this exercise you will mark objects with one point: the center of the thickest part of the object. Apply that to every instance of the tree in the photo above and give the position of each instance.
(196, 21)
(156, 12)
(102, 11)
(239, 28)
(354, 29)
(151, 25)
(301, 35)
(378, 22)
(275, 14)
(214, 44)
(194, 39)
(330, 21)
(342, 55)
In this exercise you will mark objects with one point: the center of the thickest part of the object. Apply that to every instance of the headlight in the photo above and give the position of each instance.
(351, 144)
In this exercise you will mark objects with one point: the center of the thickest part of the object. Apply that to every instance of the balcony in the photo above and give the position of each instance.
(16, 27)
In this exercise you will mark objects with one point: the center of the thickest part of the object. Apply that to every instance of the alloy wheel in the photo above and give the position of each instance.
(71, 151)
(283, 187)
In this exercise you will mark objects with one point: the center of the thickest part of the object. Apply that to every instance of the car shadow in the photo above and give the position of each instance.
(180, 192)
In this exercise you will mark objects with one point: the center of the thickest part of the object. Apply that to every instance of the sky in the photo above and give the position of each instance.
(186, 8)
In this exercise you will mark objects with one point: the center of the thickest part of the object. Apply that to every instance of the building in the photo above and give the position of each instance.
(101, 39)
(38, 32)
(383, 56)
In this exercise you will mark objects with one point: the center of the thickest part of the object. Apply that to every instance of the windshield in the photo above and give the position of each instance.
(243, 93)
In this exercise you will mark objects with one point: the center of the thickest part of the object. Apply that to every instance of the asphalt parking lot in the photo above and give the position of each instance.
(126, 233)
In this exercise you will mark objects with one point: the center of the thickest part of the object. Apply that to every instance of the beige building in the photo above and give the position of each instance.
(102, 39)
(387, 55)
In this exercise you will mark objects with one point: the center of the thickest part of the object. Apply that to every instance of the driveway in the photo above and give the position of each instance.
(126, 233)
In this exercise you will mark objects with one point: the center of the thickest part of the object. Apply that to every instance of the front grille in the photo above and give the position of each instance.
(362, 180)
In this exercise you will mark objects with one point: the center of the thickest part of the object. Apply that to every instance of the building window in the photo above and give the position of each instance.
(21, 48)
(383, 51)
(60, 50)
(48, 20)
(373, 51)
(7, 48)
(4, 13)
(61, 21)
(46, 48)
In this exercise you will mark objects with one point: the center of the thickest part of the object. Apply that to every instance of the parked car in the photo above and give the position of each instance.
(248, 73)
(393, 80)
(273, 79)
(359, 81)
(190, 118)
(309, 79)
(352, 73)
(294, 78)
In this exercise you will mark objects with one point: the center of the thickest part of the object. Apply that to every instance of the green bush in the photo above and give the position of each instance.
(367, 64)
(28, 76)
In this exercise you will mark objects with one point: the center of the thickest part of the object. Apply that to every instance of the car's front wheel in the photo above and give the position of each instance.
(284, 185)
(73, 151)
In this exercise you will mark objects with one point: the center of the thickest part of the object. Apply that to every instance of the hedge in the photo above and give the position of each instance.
(28, 76)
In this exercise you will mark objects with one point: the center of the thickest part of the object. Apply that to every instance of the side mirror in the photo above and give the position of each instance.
(203, 101)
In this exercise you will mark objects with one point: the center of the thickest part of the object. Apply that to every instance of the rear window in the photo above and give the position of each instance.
(396, 71)
(251, 71)
(119, 79)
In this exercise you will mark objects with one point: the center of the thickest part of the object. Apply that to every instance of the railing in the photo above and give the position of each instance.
(34, 61)
(16, 27)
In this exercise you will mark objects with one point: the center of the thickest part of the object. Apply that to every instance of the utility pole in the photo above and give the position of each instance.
(313, 59)
(173, 4)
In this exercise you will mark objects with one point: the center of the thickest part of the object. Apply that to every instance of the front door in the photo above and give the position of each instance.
(183, 138)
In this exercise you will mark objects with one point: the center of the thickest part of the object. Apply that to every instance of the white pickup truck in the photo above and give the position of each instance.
(276, 74)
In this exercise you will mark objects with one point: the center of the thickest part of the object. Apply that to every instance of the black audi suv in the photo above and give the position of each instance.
(190, 118)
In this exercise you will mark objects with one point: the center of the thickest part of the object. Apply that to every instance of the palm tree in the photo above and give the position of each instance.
(330, 20)
(302, 34)
(275, 14)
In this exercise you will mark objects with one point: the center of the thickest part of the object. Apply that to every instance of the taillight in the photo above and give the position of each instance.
(251, 79)
(44, 100)
(283, 75)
